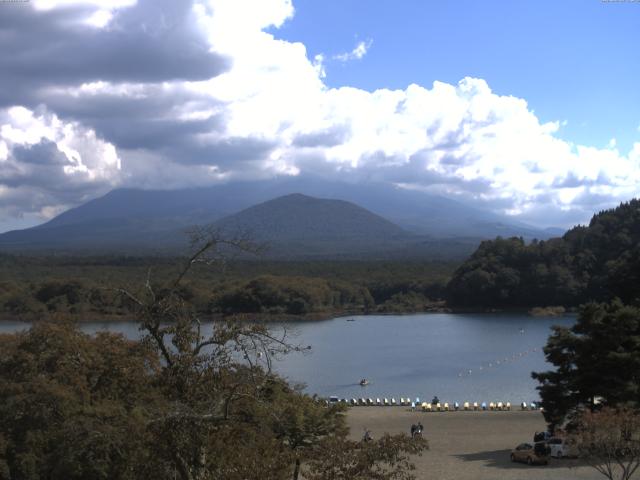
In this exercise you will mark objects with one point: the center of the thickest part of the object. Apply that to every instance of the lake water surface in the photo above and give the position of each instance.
(459, 357)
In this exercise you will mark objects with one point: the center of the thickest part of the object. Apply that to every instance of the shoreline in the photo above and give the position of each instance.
(281, 318)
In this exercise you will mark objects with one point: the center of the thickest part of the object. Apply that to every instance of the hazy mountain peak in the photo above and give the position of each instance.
(283, 208)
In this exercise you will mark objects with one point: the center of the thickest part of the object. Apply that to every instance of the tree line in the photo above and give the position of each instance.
(87, 288)
(597, 262)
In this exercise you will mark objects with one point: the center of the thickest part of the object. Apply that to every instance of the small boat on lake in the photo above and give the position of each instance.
(364, 382)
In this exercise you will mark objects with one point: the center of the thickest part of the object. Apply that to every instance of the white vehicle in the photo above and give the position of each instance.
(562, 448)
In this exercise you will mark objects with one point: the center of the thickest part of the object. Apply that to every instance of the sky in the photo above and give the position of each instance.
(526, 108)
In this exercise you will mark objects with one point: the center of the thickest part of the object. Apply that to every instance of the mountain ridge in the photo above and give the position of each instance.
(140, 220)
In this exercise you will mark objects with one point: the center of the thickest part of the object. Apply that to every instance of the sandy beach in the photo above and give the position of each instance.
(469, 445)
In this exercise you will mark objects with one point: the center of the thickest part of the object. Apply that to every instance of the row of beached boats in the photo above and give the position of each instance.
(432, 407)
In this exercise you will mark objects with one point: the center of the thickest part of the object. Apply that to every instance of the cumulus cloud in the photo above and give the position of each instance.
(165, 94)
(67, 44)
(48, 165)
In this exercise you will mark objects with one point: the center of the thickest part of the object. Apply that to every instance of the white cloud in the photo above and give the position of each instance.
(100, 17)
(270, 113)
(49, 165)
(358, 52)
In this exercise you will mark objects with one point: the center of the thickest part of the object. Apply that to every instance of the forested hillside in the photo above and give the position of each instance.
(87, 287)
(593, 263)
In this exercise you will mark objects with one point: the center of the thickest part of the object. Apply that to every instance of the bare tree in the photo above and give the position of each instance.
(214, 375)
(609, 440)
(228, 416)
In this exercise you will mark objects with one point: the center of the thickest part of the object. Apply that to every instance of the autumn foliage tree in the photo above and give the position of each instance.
(188, 400)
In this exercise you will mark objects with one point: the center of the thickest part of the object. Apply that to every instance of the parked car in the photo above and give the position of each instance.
(537, 453)
(562, 447)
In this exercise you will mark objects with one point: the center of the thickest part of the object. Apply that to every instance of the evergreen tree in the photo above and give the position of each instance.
(597, 361)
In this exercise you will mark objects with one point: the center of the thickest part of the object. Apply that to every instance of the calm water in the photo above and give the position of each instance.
(474, 357)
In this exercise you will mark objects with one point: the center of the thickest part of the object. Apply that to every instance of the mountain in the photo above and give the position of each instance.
(298, 217)
(297, 226)
(144, 221)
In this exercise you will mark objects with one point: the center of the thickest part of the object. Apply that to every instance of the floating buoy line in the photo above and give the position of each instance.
(484, 366)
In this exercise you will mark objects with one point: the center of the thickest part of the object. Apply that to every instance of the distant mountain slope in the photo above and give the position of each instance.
(412, 210)
(140, 220)
(297, 225)
(298, 217)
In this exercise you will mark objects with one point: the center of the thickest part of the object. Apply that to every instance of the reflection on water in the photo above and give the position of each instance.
(458, 357)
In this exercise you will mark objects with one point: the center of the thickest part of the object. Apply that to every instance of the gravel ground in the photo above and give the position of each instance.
(469, 445)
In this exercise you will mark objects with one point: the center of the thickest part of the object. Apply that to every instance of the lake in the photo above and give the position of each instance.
(458, 357)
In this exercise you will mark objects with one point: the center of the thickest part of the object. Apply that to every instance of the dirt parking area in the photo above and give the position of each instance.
(469, 445)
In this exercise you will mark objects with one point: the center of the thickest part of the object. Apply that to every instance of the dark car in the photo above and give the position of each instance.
(541, 436)
(537, 453)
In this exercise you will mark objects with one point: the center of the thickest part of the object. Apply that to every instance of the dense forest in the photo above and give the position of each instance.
(88, 288)
(594, 263)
